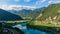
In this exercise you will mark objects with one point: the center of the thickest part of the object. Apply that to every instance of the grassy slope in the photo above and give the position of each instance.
(51, 11)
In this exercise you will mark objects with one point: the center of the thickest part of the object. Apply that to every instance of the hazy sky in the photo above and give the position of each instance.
(31, 3)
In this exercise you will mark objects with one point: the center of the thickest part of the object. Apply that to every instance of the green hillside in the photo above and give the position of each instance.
(36, 12)
(5, 16)
(49, 17)
(52, 12)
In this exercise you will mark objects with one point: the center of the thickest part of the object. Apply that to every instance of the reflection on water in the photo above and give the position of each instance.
(23, 27)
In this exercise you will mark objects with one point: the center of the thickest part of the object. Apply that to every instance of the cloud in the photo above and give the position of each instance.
(39, 2)
(53, 1)
(49, 2)
(16, 0)
(4, 6)
(43, 1)
(16, 7)
(27, 0)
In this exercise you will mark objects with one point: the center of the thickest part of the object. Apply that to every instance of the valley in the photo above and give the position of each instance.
(45, 19)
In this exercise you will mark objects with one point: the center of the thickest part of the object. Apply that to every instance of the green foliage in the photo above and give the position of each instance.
(5, 15)
(51, 11)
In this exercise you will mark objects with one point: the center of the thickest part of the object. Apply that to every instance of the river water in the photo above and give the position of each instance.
(24, 28)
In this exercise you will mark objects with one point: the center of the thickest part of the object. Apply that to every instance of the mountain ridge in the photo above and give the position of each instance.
(52, 12)
(5, 15)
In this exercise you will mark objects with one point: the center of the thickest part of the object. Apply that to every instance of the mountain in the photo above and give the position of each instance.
(37, 12)
(49, 17)
(5, 15)
(23, 13)
(52, 12)
(28, 13)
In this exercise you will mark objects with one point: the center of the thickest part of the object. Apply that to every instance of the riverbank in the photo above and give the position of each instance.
(8, 29)
(46, 26)
(55, 30)
(40, 26)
